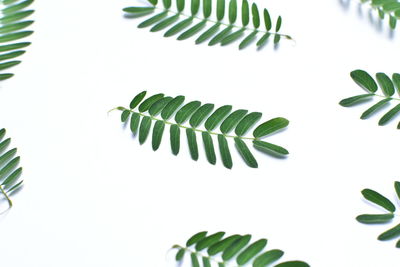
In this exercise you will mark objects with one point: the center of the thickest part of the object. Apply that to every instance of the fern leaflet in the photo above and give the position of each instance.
(389, 8)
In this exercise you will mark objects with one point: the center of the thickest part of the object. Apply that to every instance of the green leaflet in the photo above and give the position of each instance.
(396, 81)
(245, 153)
(209, 241)
(218, 115)
(144, 129)
(390, 234)
(389, 115)
(222, 245)
(268, 258)
(376, 107)
(196, 238)
(225, 153)
(397, 188)
(364, 80)
(375, 218)
(206, 262)
(247, 254)
(385, 83)
(162, 109)
(175, 137)
(232, 120)
(348, 102)
(192, 142)
(158, 131)
(209, 148)
(180, 254)
(231, 33)
(270, 127)
(378, 199)
(292, 264)
(235, 247)
(195, 261)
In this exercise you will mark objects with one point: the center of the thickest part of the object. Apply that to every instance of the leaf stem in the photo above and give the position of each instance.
(7, 198)
(225, 24)
(200, 255)
(383, 96)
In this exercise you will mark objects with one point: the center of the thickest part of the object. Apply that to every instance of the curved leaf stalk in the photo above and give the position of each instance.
(158, 110)
(13, 25)
(382, 218)
(9, 171)
(178, 21)
(234, 250)
(388, 88)
(389, 8)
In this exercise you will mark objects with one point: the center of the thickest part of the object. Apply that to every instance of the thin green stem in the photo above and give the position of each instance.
(200, 255)
(185, 127)
(383, 96)
(225, 24)
(7, 198)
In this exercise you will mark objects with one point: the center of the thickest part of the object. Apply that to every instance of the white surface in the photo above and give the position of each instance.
(94, 197)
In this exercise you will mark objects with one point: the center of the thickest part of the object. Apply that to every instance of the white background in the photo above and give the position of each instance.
(94, 197)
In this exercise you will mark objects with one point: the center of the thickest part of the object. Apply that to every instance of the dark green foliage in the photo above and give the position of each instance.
(190, 117)
(388, 86)
(13, 28)
(235, 248)
(10, 173)
(384, 218)
(389, 8)
(225, 30)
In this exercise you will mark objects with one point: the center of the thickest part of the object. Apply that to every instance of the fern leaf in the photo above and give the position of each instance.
(386, 204)
(12, 29)
(388, 88)
(191, 117)
(233, 248)
(226, 13)
(10, 172)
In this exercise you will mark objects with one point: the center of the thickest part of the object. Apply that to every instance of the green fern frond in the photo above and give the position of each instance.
(235, 249)
(383, 218)
(224, 28)
(9, 171)
(13, 28)
(160, 109)
(388, 87)
(386, 8)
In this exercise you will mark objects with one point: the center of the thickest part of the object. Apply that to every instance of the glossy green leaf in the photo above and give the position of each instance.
(135, 120)
(232, 120)
(7, 156)
(396, 81)
(9, 64)
(385, 83)
(220, 36)
(137, 99)
(192, 142)
(196, 238)
(232, 11)
(144, 129)
(209, 241)
(167, 4)
(186, 111)
(392, 22)
(263, 40)
(224, 150)
(5, 76)
(180, 254)
(2, 134)
(232, 37)
(207, 34)
(277, 38)
(256, 15)
(389, 115)
(11, 55)
(14, 36)
(152, 20)
(171, 107)
(175, 137)
(222, 245)
(247, 122)
(390, 234)
(179, 27)
(220, 9)
(267, 20)
(245, 153)
(207, 8)
(9, 167)
(159, 105)
(10, 47)
(265, 146)
(135, 10)
(364, 80)
(375, 218)
(195, 5)
(392, 6)
(268, 257)
(158, 131)
(378, 199)
(195, 261)
(193, 30)
(251, 251)
(245, 13)
(12, 179)
(206, 262)
(8, 28)
(153, 2)
(278, 24)
(200, 115)
(216, 118)
(351, 101)
(248, 40)
(17, 7)
(375, 108)
(209, 147)
(397, 188)
(292, 264)
(125, 115)
(270, 127)
(165, 23)
(235, 247)
(180, 5)
(145, 105)
(14, 17)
